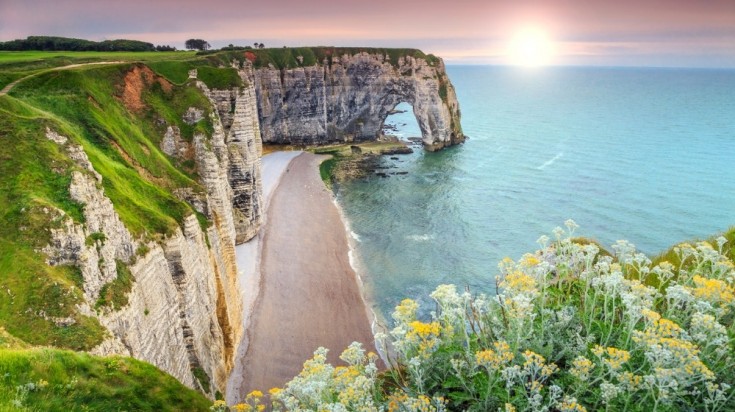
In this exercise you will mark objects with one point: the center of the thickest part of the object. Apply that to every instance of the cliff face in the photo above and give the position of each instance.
(348, 97)
(238, 145)
(150, 184)
(182, 310)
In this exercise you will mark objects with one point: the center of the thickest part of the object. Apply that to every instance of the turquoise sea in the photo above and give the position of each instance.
(646, 155)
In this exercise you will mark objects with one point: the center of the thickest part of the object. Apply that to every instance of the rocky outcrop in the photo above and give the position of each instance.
(348, 97)
(238, 139)
(184, 309)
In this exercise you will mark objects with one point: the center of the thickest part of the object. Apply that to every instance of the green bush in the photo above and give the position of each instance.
(571, 329)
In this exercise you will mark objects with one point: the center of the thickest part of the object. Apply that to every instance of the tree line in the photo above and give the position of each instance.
(54, 43)
(199, 44)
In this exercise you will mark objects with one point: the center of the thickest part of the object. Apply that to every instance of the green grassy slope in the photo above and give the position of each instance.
(88, 105)
(34, 180)
(14, 65)
(56, 380)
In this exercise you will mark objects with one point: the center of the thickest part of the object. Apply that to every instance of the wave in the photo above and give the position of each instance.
(550, 161)
(421, 238)
(355, 236)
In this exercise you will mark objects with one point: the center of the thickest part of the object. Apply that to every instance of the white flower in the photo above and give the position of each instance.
(543, 241)
(608, 391)
(571, 226)
(720, 242)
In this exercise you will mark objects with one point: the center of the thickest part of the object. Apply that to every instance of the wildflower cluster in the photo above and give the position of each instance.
(323, 387)
(571, 328)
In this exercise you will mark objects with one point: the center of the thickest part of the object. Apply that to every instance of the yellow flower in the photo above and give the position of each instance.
(616, 358)
(274, 391)
(598, 351)
(713, 290)
(518, 282)
(529, 260)
(494, 359)
(509, 407)
(406, 311)
(571, 405)
(650, 315)
(630, 381)
(533, 360)
(424, 330)
(255, 394)
(581, 368)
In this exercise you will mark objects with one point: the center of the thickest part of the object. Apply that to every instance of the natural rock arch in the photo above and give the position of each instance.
(348, 97)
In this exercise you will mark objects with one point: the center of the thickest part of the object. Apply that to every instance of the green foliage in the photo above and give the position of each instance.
(326, 169)
(443, 91)
(196, 44)
(571, 329)
(114, 295)
(54, 380)
(17, 64)
(219, 78)
(34, 197)
(137, 177)
(94, 238)
(8, 341)
(202, 377)
(142, 250)
(171, 106)
(51, 43)
(176, 72)
(291, 57)
(85, 106)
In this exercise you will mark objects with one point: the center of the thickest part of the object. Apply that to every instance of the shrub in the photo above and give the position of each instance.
(570, 329)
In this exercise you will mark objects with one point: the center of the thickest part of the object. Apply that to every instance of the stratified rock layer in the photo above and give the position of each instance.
(184, 310)
(237, 134)
(349, 97)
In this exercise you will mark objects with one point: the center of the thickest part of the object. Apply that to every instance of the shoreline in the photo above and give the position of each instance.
(248, 255)
(300, 283)
(377, 323)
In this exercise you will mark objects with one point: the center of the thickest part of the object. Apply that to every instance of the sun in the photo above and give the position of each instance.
(530, 47)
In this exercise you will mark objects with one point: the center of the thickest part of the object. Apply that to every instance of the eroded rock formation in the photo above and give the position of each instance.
(237, 137)
(348, 98)
(184, 308)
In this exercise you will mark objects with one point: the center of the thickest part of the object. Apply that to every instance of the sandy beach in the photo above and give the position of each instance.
(307, 292)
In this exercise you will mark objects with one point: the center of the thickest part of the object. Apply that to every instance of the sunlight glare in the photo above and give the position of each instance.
(530, 47)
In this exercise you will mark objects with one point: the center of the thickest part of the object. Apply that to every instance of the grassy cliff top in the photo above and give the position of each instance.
(15, 65)
(291, 57)
(54, 380)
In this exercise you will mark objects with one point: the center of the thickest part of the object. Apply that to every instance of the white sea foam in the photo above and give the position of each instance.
(377, 322)
(421, 238)
(550, 161)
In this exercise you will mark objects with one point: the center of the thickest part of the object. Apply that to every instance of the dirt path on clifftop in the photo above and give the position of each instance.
(10, 86)
(309, 293)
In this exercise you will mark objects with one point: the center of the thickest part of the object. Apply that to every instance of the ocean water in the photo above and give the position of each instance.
(646, 155)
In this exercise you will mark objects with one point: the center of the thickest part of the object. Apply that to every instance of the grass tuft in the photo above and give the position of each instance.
(54, 380)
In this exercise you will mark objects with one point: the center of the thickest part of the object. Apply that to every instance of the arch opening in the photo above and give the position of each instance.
(401, 122)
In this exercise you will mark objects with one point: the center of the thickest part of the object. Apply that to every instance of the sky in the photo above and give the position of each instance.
(675, 33)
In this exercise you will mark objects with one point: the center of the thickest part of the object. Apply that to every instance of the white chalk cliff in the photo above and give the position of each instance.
(184, 309)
